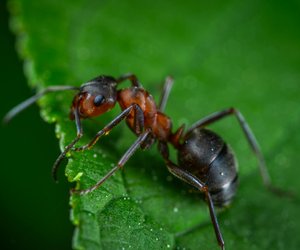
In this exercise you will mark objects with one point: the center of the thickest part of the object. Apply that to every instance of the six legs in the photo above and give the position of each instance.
(141, 141)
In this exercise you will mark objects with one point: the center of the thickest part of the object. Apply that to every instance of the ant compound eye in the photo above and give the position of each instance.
(99, 99)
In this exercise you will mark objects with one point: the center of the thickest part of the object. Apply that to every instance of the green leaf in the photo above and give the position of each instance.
(243, 54)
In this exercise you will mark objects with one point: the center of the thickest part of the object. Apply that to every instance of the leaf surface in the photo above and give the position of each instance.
(241, 54)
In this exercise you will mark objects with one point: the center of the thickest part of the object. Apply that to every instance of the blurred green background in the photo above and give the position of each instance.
(34, 210)
(236, 53)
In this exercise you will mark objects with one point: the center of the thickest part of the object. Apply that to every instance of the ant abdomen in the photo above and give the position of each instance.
(205, 155)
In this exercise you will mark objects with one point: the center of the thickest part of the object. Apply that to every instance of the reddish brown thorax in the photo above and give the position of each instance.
(100, 95)
(159, 123)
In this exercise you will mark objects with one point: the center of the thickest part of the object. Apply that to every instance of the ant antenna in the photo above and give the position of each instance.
(166, 91)
(25, 104)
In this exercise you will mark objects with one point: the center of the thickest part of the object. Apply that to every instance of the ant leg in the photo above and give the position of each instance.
(131, 77)
(25, 104)
(120, 164)
(194, 181)
(165, 93)
(70, 146)
(249, 136)
(139, 125)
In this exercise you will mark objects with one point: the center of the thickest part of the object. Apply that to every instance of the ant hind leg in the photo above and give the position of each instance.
(251, 140)
(194, 181)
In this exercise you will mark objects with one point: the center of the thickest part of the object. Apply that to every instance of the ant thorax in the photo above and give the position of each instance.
(158, 122)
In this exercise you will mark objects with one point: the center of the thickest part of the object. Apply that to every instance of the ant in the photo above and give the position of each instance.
(205, 161)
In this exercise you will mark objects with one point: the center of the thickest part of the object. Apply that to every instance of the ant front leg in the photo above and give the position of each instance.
(194, 181)
(71, 145)
(140, 140)
(139, 125)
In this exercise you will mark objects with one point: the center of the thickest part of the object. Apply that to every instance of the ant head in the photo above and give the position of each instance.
(95, 97)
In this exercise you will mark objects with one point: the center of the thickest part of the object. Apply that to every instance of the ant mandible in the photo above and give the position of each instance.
(205, 161)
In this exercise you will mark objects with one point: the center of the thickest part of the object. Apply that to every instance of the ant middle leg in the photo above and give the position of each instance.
(138, 122)
(165, 93)
(120, 164)
(139, 126)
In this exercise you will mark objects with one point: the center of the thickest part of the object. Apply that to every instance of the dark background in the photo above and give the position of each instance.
(31, 212)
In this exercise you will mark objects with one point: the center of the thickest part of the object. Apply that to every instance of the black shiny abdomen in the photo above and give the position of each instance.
(205, 155)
